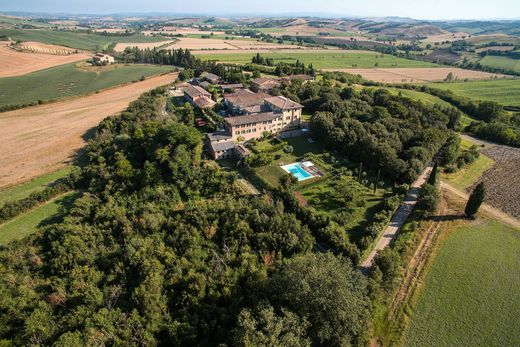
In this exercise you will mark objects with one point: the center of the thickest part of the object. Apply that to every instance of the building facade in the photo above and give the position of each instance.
(252, 115)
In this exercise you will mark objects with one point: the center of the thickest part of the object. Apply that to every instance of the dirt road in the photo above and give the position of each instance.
(398, 219)
(40, 139)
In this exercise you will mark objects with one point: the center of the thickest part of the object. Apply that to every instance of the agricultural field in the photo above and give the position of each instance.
(504, 91)
(470, 295)
(325, 59)
(41, 138)
(467, 176)
(31, 221)
(91, 42)
(503, 179)
(70, 80)
(417, 75)
(23, 190)
(16, 63)
(198, 44)
(501, 62)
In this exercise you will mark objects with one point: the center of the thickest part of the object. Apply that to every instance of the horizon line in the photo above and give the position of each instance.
(252, 14)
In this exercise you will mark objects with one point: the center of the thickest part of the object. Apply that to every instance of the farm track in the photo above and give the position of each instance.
(398, 219)
(41, 139)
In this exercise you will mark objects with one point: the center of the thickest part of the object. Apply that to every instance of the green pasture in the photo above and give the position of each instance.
(506, 63)
(504, 91)
(23, 190)
(31, 221)
(69, 80)
(471, 295)
(321, 59)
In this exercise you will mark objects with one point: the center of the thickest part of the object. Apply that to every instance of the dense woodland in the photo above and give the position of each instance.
(492, 121)
(160, 250)
(397, 135)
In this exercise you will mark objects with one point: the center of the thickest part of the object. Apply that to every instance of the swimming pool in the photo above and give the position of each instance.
(297, 171)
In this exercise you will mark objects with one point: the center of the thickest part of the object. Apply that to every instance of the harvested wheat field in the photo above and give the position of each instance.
(16, 63)
(218, 44)
(416, 75)
(42, 138)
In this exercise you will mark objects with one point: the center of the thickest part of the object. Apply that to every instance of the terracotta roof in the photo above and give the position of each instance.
(264, 82)
(242, 150)
(245, 98)
(231, 86)
(204, 102)
(251, 118)
(195, 91)
(257, 108)
(283, 103)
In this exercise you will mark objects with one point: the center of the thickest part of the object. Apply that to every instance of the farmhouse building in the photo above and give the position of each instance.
(253, 114)
(198, 96)
(211, 78)
(102, 59)
(264, 84)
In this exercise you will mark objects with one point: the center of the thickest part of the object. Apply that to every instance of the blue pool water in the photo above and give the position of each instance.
(298, 172)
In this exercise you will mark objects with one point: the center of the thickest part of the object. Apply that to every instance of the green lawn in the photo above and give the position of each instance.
(325, 60)
(31, 221)
(506, 92)
(501, 62)
(75, 39)
(69, 80)
(271, 173)
(471, 295)
(465, 177)
(320, 196)
(23, 190)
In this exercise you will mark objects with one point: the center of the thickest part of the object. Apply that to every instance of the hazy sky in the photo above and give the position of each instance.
(430, 9)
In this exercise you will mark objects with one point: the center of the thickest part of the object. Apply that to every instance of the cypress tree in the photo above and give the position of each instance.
(433, 176)
(475, 200)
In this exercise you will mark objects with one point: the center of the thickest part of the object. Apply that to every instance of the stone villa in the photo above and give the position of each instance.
(251, 115)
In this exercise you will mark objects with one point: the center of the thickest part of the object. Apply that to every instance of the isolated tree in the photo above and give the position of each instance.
(475, 200)
(428, 199)
(433, 176)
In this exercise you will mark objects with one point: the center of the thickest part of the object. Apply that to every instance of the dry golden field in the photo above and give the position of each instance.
(416, 75)
(41, 139)
(16, 63)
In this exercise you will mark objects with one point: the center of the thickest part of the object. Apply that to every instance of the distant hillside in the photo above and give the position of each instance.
(482, 27)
